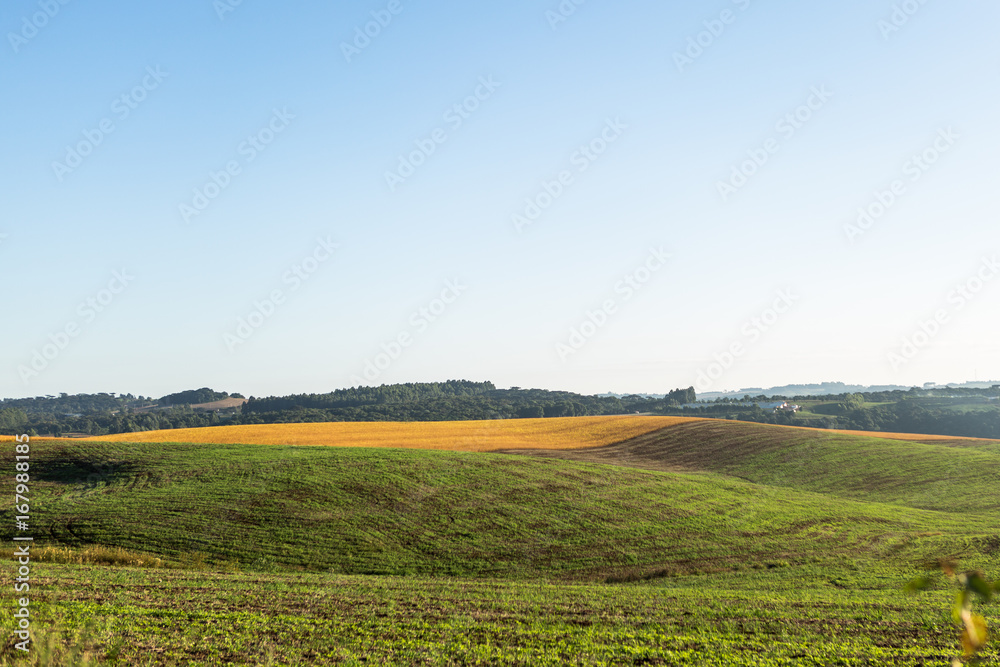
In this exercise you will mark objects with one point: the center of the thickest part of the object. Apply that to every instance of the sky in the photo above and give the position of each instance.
(581, 195)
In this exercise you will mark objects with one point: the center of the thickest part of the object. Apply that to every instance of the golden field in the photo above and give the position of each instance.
(464, 436)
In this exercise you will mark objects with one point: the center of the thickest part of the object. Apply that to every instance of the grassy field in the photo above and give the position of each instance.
(398, 511)
(818, 408)
(766, 618)
(944, 476)
(699, 543)
(921, 437)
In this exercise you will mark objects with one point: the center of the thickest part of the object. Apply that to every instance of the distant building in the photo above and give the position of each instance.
(779, 406)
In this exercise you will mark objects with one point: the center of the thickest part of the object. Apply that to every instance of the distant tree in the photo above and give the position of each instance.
(852, 402)
(681, 396)
(12, 421)
(193, 397)
(531, 412)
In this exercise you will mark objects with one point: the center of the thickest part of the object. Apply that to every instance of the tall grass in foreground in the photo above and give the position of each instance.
(96, 554)
(92, 644)
(59, 646)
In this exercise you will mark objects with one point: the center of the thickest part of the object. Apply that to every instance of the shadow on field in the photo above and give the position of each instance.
(691, 447)
(70, 468)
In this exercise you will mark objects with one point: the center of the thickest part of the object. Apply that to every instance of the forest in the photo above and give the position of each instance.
(960, 412)
(102, 414)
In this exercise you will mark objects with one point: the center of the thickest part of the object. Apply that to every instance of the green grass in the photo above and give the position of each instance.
(942, 477)
(820, 408)
(397, 512)
(774, 617)
(774, 547)
(960, 405)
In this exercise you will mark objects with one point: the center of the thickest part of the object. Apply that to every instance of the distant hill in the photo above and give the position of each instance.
(194, 397)
(222, 404)
(821, 389)
(832, 388)
(68, 404)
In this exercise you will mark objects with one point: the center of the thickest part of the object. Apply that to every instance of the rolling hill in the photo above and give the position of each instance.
(592, 540)
(666, 494)
(944, 476)
(465, 436)
(398, 511)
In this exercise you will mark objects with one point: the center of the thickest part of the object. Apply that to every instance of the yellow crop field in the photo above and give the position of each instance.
(465, 436)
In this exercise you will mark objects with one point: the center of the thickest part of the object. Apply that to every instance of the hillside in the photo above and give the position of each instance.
(947, 440)
(222, 404)
(944, 476)
(926, 472)
(398, 511)
(669, 542)
(465, 436)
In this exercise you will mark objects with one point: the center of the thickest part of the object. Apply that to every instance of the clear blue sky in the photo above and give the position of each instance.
(770, 278)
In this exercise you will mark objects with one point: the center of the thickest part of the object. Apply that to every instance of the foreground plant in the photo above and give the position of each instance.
(972, 584)
(61, 645)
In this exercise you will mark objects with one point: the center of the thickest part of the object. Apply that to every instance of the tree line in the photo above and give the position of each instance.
(911, 411)
(914, 411)
(434, 401)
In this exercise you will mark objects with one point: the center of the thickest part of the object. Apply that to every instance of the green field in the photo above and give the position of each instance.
(819, 408)
(785, 617)
(709, 543)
